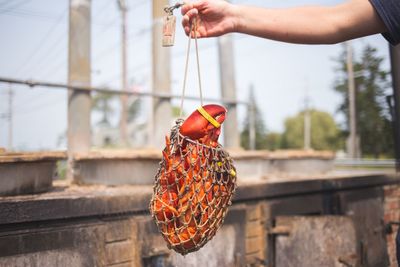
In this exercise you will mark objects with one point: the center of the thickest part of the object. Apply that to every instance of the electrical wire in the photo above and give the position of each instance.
(37, 15)
(41, 43)
(56, 69)
(103, 8)
(17, 5)
(30, 14)
(105, 52)
(39, 105)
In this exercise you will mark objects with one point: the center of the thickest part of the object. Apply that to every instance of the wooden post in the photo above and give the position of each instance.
(395, 66)
(353, 147)
(123, 128)
(162, 110)
(10, 117)
(79, 102)
(252, 119)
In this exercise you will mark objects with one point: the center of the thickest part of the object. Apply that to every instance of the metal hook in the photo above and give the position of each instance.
(170, 9)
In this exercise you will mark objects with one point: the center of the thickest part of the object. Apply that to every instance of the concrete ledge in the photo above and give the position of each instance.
(27, 173)
(68, 202)
(32, 156)
(281, 154)
(139, 167)
(317, 184)
(74, 201)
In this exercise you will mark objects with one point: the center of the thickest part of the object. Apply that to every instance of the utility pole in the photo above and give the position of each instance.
(307, 119)
(228, 89)
(79, 69)
(162, 110)
(307, 124)
(395, 66)
(252, 119)
(10, 117)
(353, 140)
(124, 98)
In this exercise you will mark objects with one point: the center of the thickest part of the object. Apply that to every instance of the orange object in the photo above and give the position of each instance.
(195, 182)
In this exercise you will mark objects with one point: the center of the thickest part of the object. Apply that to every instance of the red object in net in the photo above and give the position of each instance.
(194, 184)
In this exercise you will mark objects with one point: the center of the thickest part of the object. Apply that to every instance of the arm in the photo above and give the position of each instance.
(307, 25)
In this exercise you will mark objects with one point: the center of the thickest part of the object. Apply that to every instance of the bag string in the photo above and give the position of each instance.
(187, 63)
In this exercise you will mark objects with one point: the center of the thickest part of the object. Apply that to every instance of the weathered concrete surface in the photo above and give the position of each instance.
(74, 202)
(27, 173)
(26, 178)
(257, 164)
(81, 201)
(117, 167)
(139, 167)
(110, 226)
(210, 255)
(365, 206)
(51, 258)
(316, 241)
(86, 243)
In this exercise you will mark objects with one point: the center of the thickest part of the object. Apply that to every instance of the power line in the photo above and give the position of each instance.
(110, 25)
(113, 22)
(37, 15)
(103, 8)
(29, 14)
(104, 52)
(55, 54)
(40, 45)
(18, 4)
(56, 69)
(40, 105)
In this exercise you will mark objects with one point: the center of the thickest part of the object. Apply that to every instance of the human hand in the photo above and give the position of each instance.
(213, 17)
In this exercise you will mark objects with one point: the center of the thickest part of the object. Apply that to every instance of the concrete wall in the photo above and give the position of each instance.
(139, 167)
(111, 226)
(392, 214)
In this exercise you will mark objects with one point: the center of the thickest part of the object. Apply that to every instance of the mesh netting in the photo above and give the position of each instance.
(193, 189)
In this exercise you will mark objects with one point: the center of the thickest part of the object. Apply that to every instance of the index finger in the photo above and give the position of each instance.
(186, 7)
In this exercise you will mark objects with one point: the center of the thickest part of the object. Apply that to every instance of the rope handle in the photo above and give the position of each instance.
(187, 63)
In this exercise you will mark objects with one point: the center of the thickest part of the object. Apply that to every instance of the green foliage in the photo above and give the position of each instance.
(176, 112)
(274, 140)
(134, 109)
(61, 169)
(325, 134)
(371, 84)
(101, 102)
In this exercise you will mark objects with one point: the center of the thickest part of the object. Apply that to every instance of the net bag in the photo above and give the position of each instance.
(193, 189)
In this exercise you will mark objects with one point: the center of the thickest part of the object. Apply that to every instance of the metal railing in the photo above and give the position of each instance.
(365, 163)
(110, 90)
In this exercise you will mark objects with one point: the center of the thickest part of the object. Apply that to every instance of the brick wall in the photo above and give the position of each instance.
(255, 236)
(392, 213)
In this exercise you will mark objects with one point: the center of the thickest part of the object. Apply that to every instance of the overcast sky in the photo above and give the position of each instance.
(34, 45)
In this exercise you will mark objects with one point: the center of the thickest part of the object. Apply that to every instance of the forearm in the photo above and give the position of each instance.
(310, 25)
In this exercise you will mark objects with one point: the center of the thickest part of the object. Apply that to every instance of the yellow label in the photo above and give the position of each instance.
(208, 117)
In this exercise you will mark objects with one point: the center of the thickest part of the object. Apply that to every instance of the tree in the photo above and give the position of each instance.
(373, 116)
(274, 140)
(134, 109)
(101, 102)
(260, 129)
(325, 134)
(176, 112)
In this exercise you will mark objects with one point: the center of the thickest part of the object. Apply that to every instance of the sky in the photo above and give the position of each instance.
(34, 46)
